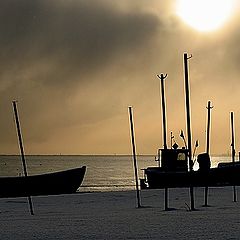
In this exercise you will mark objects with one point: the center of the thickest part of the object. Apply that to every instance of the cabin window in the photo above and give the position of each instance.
(181, 156)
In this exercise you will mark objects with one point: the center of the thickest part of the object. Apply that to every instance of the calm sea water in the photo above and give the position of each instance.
(104, 173)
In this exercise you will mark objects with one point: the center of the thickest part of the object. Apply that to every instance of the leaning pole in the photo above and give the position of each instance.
(22, 150)
(188, 119)
(134, 155)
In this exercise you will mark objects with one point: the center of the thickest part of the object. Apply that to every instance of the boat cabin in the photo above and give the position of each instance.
(174, 159)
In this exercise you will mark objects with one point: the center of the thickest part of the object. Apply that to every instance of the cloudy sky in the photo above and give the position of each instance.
(75, 66)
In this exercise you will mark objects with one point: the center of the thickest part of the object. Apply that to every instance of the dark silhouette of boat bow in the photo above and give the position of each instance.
(62, 182)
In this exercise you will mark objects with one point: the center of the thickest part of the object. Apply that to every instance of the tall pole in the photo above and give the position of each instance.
(233, 154)
(22, 150)
(162, 77)
(188, 118)
(134, 156)
(209, 107)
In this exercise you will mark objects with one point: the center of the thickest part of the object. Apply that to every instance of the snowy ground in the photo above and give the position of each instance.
(113, 215)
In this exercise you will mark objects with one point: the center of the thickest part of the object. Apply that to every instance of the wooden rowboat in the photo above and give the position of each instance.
(63, 182)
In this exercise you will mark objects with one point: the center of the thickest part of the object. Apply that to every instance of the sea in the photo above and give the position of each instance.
(104, 172)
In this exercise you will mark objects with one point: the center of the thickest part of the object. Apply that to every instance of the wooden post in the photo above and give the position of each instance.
(233, 154)
(22, 150)
(188, 118)
(134, 156)
(162, 78)
(207, 146)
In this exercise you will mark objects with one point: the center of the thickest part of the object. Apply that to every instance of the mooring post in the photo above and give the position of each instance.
(22, 150)
(188, 118)
(162, 77)
(233, 153)
(209, 107)
(134, 156)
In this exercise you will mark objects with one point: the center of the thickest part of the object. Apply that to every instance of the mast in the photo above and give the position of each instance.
(209, 107)
(233, 154)
(162, 77)
(188, 118)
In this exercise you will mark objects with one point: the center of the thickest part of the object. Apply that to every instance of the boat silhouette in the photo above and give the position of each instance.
(62, 182)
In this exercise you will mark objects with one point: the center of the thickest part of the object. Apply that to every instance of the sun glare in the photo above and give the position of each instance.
(205, 15)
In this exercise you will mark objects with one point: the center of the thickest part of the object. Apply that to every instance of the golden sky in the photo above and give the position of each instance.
(75, 67)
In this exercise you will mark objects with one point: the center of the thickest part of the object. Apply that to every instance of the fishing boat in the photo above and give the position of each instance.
(176, 168)
(62, 182)
(175, 173)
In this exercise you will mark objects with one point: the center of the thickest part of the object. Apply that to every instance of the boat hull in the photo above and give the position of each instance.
(63, 182)
(215, 177)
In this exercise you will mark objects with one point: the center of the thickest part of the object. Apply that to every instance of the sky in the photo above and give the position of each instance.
(75, 66)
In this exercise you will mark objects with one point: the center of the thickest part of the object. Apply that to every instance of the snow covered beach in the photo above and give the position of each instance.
(113, 215)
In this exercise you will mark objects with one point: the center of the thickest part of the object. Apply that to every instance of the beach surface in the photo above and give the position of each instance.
(114, 215)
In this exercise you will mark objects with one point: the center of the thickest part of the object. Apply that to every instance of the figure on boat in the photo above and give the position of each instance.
(204, 162)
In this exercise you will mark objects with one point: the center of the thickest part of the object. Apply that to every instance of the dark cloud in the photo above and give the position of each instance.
(75, 36)
(54, 52)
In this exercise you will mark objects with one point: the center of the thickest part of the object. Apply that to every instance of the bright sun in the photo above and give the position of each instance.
(205, 15)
